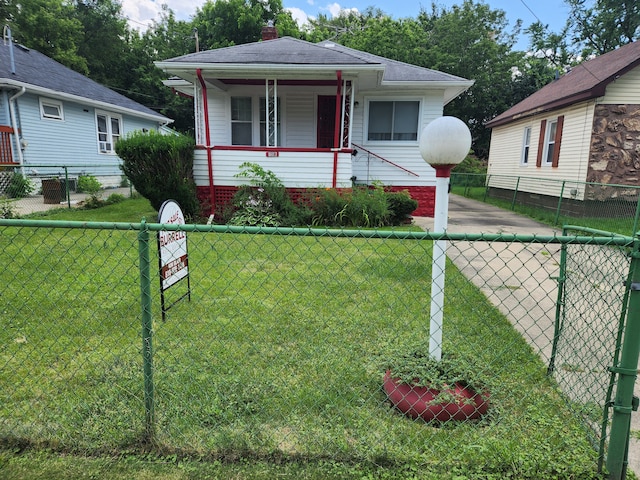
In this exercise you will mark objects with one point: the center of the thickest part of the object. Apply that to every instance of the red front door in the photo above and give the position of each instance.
(326, 121)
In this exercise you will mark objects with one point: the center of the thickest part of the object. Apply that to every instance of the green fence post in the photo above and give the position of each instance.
(626, 370)
(637, 215)
(555, 221)
(515, 194)
(147, 329)
(66, 186)
(486, 188)
(559, 319)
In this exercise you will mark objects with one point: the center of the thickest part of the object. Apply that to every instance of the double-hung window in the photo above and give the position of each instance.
(549, 142)
(248, 123)
(109, 131)
(241, 121)
(394, 121)
(526, 146)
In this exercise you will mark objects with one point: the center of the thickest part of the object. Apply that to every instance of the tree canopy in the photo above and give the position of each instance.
(470, 40)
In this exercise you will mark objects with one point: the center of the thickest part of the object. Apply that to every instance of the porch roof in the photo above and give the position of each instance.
(291, 58)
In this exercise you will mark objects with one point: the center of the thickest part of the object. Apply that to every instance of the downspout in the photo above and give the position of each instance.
(14, 122)
(338, 129)
(205, 105)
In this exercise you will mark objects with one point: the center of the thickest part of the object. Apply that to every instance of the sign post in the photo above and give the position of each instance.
(172, 252)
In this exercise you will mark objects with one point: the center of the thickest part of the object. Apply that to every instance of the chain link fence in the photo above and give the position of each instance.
(36, 188)
(282, 347)
(560, 202)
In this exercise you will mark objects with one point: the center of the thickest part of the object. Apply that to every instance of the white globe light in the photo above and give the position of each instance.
(445, 141)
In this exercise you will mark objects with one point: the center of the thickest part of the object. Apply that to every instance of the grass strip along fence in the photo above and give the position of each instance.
(557, 202)
(281, 351)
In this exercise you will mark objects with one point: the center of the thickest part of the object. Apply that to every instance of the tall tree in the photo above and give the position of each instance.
(234, 22)
(50, 27)
(605, 25)
(104, 39)
(469, 40)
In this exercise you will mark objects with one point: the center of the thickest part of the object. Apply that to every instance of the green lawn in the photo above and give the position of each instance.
(273, 368)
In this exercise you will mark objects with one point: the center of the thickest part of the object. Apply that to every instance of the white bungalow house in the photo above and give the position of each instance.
(582, 127)
(316, 115)
(53, 117)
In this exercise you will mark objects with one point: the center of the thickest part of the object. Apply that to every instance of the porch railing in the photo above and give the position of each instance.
(375, 155)
(6, 152)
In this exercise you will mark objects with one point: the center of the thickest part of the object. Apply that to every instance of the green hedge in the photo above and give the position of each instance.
(160, 167)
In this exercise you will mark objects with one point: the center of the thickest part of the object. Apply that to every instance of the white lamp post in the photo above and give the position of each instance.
(444, 143)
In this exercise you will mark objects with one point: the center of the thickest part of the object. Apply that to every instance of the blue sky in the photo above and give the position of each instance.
(551, 12)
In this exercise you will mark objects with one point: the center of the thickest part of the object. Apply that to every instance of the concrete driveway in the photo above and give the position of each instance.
(518, 278)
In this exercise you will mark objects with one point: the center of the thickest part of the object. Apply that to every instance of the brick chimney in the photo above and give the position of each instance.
(269, 32)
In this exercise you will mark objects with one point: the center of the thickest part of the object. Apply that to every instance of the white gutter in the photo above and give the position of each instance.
(271, 68)
(84, 100)
(14, 122)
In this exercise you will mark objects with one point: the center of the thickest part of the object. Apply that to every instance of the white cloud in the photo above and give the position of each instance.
(142, 12)
(335, 9)
(299, 15)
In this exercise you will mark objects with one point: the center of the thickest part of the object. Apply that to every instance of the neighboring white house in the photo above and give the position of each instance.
(582, 127)
(52, 116)
(317, 115)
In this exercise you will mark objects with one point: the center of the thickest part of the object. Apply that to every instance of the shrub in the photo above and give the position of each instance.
(400, 206)
(360, 207)
(265, 201)
(114, 198)
(19, 186)
(7, 209)
(88, 184)
(160, 167)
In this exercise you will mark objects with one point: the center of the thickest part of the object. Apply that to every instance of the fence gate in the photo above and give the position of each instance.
(590, 319)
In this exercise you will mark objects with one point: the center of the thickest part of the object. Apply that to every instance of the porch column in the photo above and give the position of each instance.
(205, 107)
(338, 128)
(271, 112)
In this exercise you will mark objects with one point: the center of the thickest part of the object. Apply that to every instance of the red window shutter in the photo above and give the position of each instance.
(557, 140)
(543, 126)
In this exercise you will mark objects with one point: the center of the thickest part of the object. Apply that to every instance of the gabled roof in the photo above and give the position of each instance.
(42, 75)
(586, 81)
(287, 54)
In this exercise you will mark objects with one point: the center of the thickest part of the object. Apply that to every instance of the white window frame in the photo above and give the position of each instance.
(526, 147)
(549, 139)
(257, 107)
(242, 122)
(107, 139)
(47, 102)
(393, 100)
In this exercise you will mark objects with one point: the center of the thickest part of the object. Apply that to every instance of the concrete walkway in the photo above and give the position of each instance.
(519, 280)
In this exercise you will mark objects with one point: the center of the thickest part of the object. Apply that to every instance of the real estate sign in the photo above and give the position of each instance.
(172, 246)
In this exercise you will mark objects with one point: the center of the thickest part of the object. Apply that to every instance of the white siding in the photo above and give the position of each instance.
(294, 169)
(299, 130)
(624, 90)
(368, 168)
(506, 152)
(300, 118)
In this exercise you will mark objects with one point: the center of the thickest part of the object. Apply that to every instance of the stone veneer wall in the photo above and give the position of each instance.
(614, 156)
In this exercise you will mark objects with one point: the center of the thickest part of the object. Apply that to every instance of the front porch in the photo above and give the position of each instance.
(216, 173)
